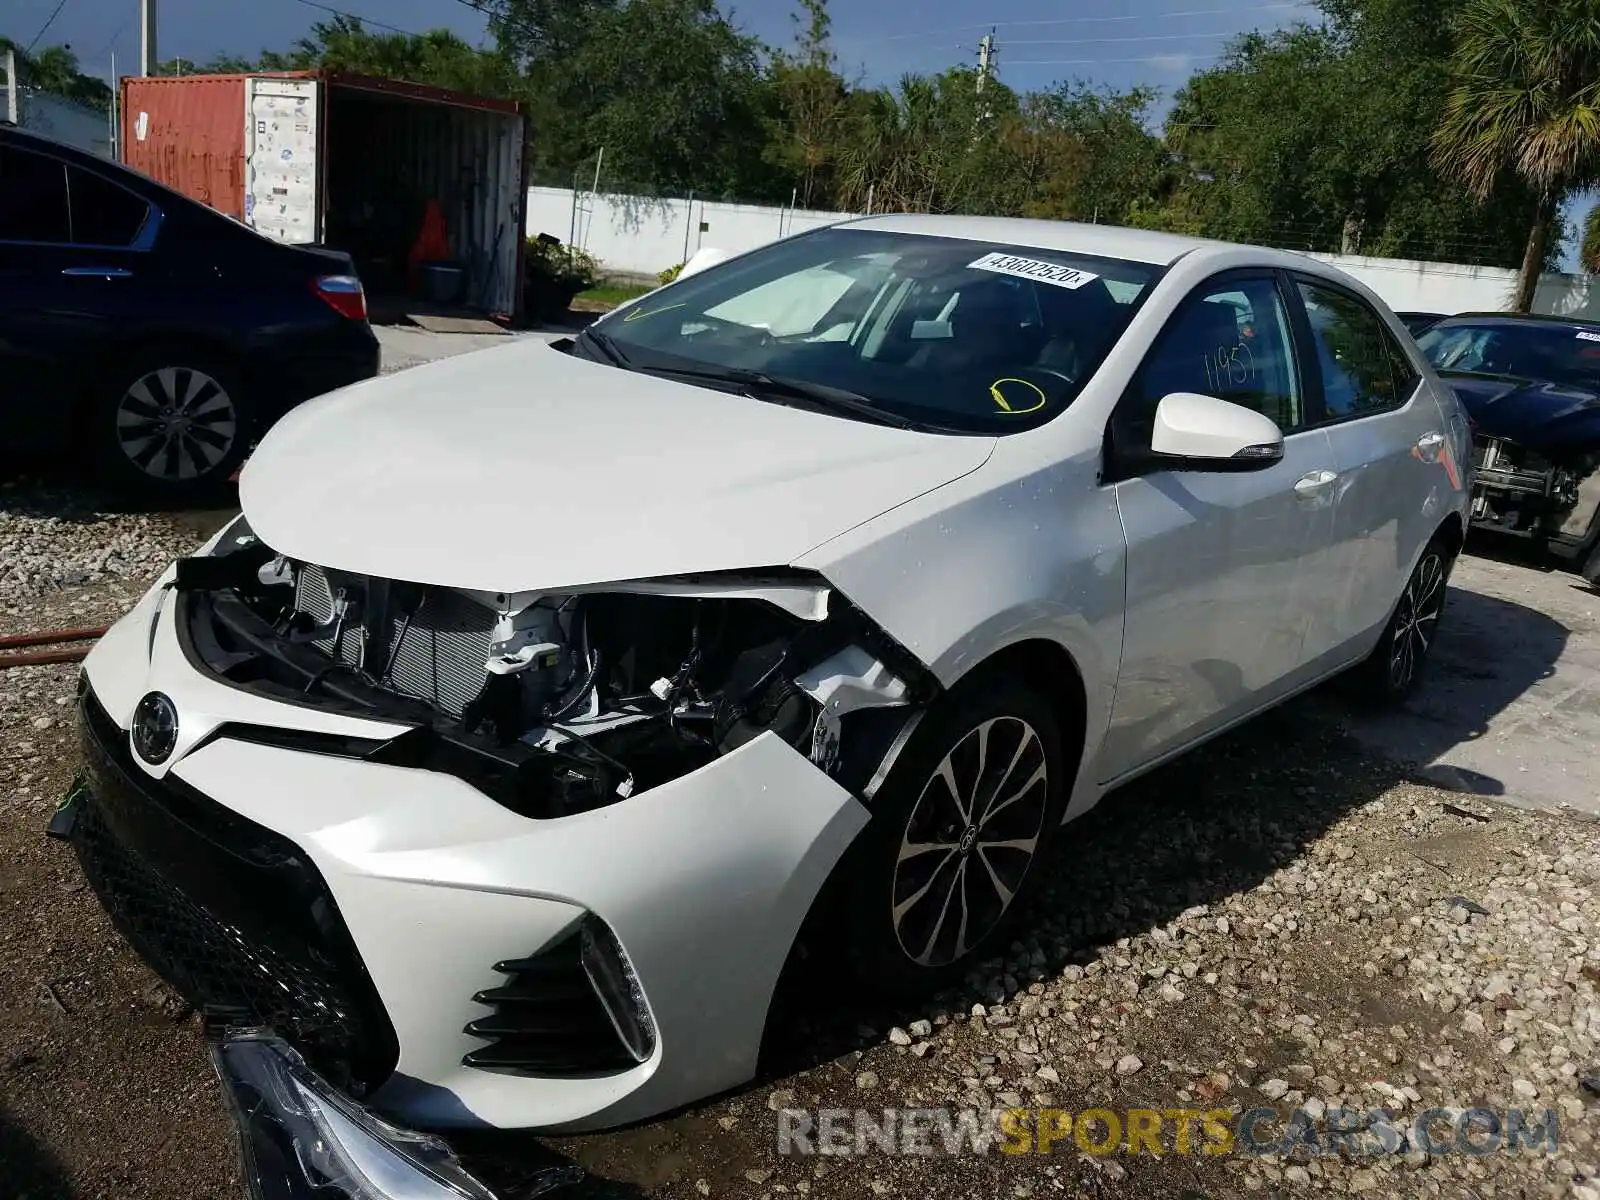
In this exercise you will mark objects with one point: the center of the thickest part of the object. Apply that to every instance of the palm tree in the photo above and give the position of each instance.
(1589, 252)
(1525, 97)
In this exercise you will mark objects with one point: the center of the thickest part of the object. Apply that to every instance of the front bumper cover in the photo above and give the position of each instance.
(702, 881)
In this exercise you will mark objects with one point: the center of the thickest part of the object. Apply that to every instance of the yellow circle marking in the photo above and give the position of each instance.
(1010, 409)
(640, 314)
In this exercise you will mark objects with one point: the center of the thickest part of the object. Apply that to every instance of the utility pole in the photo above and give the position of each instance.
(116, 96)
(147, 37)
(986, 53)
(12, 89)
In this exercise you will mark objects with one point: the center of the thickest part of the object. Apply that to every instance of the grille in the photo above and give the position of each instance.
(233, 916)
(547, 1019)
(437, 656)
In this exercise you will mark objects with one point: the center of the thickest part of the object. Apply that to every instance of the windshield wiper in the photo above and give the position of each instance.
(604, 345)
(783, 389)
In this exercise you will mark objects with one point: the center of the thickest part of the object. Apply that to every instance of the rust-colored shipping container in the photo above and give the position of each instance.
(188, 132)
(347, 161)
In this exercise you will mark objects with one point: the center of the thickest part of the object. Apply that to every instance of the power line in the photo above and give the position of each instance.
(51, 20)
(1156, 16)
(339, 12)
(1092, 62)
(1151, 37)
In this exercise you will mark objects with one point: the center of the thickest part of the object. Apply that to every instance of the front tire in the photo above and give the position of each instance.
(1389, 676)
(170, 425)
(954, 845)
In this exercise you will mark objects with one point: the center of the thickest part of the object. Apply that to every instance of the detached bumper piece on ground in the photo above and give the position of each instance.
(302, 1139)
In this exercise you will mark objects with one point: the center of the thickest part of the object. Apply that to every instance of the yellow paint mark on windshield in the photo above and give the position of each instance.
(640, 314)
(1026, 402)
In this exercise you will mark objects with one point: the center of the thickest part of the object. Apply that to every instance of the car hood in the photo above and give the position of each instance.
(524, 468)
(1548, 417)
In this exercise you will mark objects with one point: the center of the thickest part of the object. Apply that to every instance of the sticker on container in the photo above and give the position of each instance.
(1033, 268)
(1589, 337)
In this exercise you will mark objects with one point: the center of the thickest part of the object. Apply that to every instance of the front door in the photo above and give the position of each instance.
(1223, 569)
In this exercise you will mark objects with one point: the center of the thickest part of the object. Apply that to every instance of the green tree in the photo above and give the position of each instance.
(54, 69)
(1589, 251)
(1317, 138)
(1525, 98)
(811, 100)
(670, 91)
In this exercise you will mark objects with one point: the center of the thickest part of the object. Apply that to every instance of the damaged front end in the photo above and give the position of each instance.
(555, 704)
(1520, 491)
(1536, 458)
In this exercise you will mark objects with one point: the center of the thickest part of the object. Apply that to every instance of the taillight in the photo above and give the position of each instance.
(344, 295)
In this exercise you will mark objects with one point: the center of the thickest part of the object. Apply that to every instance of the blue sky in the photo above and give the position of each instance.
(1156, 43)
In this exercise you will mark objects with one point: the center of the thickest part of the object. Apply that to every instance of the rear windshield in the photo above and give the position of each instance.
(963, 336)
(1563, 354)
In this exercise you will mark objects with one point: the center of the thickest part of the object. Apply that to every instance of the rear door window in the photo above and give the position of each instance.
(103, 214)
(33, 197)
(1355, 353)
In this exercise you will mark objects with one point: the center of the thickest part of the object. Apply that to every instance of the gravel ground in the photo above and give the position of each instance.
(1285, 919)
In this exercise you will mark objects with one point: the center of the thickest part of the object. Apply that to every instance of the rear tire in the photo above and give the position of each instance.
(1390, 674)
(953, 849)
(170, 425)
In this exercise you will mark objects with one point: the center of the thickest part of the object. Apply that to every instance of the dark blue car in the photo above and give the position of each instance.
(151, 335)
(1531, 387)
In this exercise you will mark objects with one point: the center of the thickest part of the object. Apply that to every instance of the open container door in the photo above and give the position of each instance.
(282, 160)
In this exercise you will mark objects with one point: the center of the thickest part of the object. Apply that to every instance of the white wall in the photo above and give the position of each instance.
(639, 235)
(1410, 286)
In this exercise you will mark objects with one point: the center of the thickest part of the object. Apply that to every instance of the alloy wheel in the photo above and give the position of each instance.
(1416, 620)
(970, 841)
(176, 423)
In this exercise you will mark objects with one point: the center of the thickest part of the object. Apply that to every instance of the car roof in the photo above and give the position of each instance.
(1104, 241)
(1503, 318)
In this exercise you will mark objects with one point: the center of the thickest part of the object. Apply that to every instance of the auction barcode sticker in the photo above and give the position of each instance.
(1590, 337)
(1033, 268)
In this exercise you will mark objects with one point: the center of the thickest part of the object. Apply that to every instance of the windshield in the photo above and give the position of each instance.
(960, 336)
(1562, 354)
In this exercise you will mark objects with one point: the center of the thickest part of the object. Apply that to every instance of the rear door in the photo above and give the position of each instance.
(74, 262)
(1396, 476)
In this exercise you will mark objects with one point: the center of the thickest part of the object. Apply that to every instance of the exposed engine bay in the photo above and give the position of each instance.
(555, 704)
(1520, 491)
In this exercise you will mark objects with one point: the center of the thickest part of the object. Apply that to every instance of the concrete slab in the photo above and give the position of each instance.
(1510, 706)
(404, 346)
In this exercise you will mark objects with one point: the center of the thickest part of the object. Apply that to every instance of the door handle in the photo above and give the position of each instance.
(1429, 445)
(98, 272)
(1310, 486)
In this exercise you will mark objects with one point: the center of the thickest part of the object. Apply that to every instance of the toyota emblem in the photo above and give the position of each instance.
(155, 729)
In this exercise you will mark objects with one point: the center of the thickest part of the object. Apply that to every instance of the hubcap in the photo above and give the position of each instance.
(971, 838)
(1416, 620)
(176, 423)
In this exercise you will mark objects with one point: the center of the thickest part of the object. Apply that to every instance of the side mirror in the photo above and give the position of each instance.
(1202, 433)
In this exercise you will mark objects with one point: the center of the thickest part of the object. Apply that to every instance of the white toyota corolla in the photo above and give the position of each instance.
(496, 757)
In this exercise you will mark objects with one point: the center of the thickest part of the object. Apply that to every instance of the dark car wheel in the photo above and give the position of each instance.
(173, 425)
(1391, 673)
(956, 837)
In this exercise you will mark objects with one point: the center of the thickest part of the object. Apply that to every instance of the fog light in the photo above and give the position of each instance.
(612, 977)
